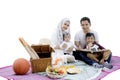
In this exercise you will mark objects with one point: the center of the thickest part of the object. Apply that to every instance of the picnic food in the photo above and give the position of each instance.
(73, 70)
(56, 72)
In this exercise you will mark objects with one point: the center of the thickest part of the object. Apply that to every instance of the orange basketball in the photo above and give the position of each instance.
(21, 66)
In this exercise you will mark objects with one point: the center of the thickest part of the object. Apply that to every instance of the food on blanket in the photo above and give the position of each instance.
(21, 66)
(56, 72)
(69, 66)
(73, 70)
(57, 61)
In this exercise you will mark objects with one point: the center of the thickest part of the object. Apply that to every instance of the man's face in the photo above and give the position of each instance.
(90, 39)
(85, 26)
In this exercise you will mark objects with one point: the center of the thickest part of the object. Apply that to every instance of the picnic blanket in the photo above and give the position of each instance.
(88, 72)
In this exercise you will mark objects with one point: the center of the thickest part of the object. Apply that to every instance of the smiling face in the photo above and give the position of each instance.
(85, 26)
(65, 25)
(67, 38)
(90, 39)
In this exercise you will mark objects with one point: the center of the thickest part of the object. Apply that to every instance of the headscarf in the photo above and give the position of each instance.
(59, 30)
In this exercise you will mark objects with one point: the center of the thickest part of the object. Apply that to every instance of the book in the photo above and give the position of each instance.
(93, 51)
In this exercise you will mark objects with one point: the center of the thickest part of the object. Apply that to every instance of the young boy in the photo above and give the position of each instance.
(101, 55)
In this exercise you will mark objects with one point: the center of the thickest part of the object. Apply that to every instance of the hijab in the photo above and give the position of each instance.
(59, 30)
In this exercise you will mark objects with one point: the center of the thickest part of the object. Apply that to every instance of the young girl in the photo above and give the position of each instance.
(68, 43)
(68, 50)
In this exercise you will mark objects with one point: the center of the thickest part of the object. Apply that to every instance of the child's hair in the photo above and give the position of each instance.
(65, 34)
(89, 35)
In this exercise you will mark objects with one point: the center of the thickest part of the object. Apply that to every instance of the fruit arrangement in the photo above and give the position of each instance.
(55, 72)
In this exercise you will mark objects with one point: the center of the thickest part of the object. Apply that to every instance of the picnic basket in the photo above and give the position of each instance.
(44, 53)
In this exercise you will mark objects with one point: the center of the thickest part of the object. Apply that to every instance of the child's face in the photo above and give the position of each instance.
(90, 39)
(66, 38)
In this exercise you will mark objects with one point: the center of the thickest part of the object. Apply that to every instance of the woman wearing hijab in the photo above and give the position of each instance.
(57, 37)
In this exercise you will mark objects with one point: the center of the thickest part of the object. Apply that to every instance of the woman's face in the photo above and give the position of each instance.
(85, 26)
(65, 26)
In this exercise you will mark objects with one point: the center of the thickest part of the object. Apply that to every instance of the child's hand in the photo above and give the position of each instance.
(64, 46)
(89, 46)
(70, 49)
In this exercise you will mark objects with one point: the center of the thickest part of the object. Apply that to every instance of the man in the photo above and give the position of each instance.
(80, 35)
(79, 41)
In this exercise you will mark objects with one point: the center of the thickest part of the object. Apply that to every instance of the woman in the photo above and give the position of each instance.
(57, 37)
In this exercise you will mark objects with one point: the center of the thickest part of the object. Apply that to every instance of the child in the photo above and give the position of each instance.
(100, 57)
(66, 44)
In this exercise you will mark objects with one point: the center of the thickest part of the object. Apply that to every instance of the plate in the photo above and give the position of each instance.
(56, 75)
(73, 70)
(56, 72)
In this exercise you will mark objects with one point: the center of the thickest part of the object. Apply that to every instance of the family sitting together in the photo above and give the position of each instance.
(86, 44)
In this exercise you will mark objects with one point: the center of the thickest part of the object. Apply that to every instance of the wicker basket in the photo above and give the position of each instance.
(44, 52)
(40, 65)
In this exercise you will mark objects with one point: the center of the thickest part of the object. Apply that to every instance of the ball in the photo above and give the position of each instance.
(21, 66)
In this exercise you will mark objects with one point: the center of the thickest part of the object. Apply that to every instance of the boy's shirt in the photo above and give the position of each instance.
(95, 47)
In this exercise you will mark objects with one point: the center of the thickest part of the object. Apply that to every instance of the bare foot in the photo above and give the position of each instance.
(101, 61)
(96, 60)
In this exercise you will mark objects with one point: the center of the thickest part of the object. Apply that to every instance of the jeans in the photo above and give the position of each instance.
(109, 58)
(87, 60)
(84, 58)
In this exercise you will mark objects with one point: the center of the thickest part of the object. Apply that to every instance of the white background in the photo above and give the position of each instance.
(36, 19)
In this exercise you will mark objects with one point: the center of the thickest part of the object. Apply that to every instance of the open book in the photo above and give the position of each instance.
(92, 51)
